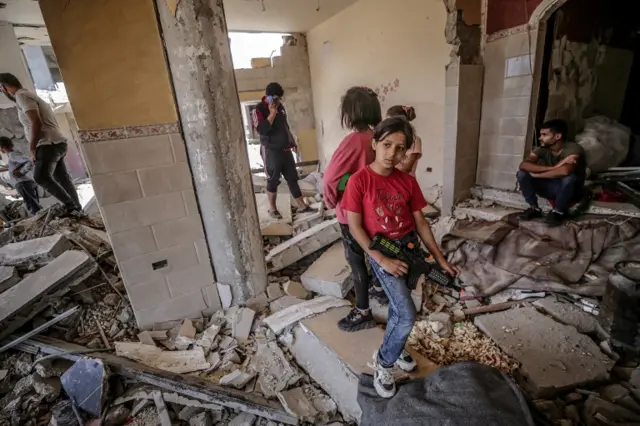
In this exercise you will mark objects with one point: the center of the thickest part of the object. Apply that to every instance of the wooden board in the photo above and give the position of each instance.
(270, 227)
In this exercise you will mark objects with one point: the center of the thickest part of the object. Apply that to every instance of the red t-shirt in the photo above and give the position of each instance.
(386, 203)
(353, 153)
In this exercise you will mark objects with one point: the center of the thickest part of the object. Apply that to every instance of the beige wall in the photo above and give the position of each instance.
(111, 59)
(394, 46)
(291, 70)
(112, 62)
(506, 103)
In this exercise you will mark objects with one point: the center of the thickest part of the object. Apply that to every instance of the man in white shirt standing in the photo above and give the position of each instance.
(47, 145)
(19, 167)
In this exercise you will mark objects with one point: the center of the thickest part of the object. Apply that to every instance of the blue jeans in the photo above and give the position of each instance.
(402, 315)
(563, 190)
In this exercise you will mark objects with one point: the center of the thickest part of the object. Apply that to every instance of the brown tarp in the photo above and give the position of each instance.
(574, 258)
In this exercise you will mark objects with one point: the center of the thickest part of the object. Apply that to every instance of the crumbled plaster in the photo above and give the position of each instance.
(463, 36)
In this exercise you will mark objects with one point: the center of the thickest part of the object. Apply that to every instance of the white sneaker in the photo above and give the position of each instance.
(383, 380)
(406, 362)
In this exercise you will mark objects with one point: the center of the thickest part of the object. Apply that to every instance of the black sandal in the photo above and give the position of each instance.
(275, 214)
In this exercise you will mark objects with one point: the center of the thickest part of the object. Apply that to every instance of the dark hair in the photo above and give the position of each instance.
(392, 125)
(557, 126)
(360, 109)
(10, 80)
(407, 111)
(6, 143)
(274, 89)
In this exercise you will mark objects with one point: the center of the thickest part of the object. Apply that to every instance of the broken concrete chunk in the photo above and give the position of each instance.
(187, 412)
(117, 416)
(613, 412)
(214, 360)
(243, 419)
(440, 323)
(39, 250)
(86, 383)
(175, 361)
(49, 388)
(62, 414)
(306, 221)
(330, 275)
(295, 289)
(270, 226)
(568, 313)
(286, 317)
(241, 324)
(226, 297)
(52, 368)
(296, 403)
(283, 303)
(554, 357)
(302, 245)
(146, 339)
(458, 315)
(163, 413)
(8, 277)
(258, 303)
(274, 291)
(275, 372)
(206, 340)
(23, 386)
(186, 336)
(237, 379)
(202, 419)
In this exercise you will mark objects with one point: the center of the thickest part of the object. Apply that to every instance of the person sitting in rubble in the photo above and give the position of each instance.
(555, 170)
(410, 162)
(19, 167)
(360, 112)
(380, 199)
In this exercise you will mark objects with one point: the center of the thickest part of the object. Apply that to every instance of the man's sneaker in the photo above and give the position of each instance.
(406, 362)
(357, 320)
(73, 214)
(378, 294)
(530, 214)
(555, 218)
(383, 380)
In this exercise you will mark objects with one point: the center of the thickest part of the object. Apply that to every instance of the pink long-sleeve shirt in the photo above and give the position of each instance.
(353, 153)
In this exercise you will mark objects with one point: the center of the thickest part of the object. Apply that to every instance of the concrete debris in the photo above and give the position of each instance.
(37, 251)
(49, 388)
(274, 291)
(180, 362)
(243, 419)
(286, 317)
(440, 323)
(295, 289)
(275, 372)
(8, 278)
(226, 297)
(554, 357)
(270, 226)
(302, 245)
(187, 412)
(62, 414)
(214, 360)
(186, 335)
(330, 275)
(3, 374)
(207, 339)
(23, 386)
(202, 419)
(111, 299)
(258, 303)
(86, 383)
(237, 379)
(611, 412)
(297, 404)
(306, 221)
(146, 339)
(568, 313)
(458, 315)
(117, 416)
(241, 324)
(283, 303)
(163, 413)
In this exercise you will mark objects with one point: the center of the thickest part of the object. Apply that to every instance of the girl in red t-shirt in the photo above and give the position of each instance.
(409, 163)
(360, 112)
(380, 199)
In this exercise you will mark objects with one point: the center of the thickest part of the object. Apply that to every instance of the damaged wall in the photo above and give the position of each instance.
(505, 14)
(397, 48)
(118, 85)
(291, 70)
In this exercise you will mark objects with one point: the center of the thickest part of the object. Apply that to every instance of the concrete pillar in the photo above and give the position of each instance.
(12, 60)
(197, 47)
(37, 63)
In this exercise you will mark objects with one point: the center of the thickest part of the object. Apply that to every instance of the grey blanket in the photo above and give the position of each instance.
(464, 394)
(574, 258)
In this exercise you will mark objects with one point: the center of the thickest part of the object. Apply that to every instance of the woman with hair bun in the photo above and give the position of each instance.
(410, 162)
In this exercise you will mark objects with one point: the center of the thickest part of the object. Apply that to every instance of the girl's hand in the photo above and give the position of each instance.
(452, 270)
(395, 267)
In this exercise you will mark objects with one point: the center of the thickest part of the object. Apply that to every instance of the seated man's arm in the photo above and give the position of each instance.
(530, 164)
(562, 169)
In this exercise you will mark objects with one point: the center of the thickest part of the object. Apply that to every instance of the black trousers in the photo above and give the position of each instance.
(50, 172)
(281, 163)
(29, 193)
(359, 273)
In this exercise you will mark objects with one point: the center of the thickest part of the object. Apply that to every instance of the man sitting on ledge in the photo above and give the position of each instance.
(555, 170)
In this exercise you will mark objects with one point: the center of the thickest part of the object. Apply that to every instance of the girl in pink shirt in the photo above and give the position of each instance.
(409, 163)
(360, 112)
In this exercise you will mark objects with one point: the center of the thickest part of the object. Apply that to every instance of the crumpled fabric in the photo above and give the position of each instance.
(574, 258)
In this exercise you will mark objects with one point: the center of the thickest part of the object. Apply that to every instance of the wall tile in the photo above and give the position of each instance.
(128, 154)
(143, 212)
(203, 251)
(516, 107)
(513, 126)
(116, 187)
(148, 294)
(179, 148)
(140, 269)
(180, 231)
(517, 87)
(165, 179)
(135, 242)
(190, 202)
(190, 279)
(189, 305)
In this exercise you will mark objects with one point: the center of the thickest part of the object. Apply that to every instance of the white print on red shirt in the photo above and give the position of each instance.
(389, 211)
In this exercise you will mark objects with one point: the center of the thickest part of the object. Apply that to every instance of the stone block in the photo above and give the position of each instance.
(283, 303)
(148, 294)
(114, 188)
(330, 275)
(180, 231)
(226, 297)
(133, 243)
(569, 314)
(165, 179)
(294, 288)
(188, 305)
(190, 279)
(143, 212)
(335, 359)
(241, 323)
(63, 269)
(8, 277)
(279, 321)
(125, 154)
(275, 372)
(274, 291)
(148, 267)
(547, 351)
(305, 221)
(39, 250)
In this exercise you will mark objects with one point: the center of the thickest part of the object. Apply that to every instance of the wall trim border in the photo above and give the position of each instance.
(128, 132)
